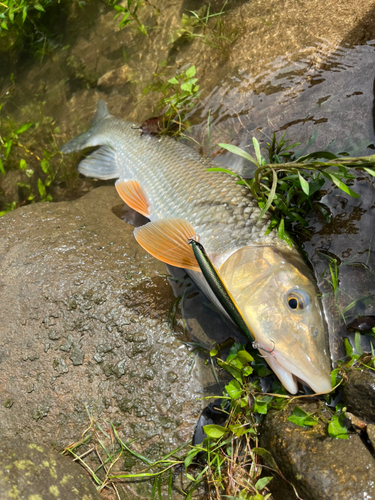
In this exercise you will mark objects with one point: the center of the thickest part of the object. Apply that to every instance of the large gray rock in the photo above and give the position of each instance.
(320, 467)
(84, 328)
(30, 471)
(359, 393)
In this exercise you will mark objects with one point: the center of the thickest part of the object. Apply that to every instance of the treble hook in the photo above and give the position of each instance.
(256, 345)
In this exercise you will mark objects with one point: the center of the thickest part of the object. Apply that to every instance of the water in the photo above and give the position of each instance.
(306, 69)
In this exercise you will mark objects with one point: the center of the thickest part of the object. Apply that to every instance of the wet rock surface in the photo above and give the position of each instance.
(30, 471)
(320, 467)
(359, 394)
(84, 328)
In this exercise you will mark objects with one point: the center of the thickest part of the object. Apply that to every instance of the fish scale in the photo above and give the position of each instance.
(177, 184)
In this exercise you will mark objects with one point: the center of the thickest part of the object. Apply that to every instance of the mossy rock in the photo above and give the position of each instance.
(30, 471)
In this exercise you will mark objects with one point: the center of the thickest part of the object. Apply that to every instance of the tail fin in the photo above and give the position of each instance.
(82, 141)
(102, 163)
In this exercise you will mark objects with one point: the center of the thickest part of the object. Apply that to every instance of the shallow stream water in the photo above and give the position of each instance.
(302, 67)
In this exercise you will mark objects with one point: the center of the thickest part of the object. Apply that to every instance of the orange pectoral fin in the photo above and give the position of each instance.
(167, 240)
(132, 194)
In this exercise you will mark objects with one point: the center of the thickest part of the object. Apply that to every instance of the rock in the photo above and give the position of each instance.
(84, 330)
(371, 434)
(359, 394)
(320, 467)
(116, 77)
(30, 471)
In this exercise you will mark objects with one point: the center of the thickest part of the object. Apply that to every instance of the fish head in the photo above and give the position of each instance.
(276, 295)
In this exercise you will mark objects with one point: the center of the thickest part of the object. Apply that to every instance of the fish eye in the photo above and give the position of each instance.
(297, 300)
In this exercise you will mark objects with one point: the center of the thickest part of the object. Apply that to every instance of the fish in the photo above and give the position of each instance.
(270, 284)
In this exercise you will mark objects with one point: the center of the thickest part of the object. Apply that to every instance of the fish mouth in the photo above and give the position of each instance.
(288, 374)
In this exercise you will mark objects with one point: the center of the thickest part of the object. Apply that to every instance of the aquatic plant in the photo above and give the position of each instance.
(180, 94)
(128, 14)
(212, 28)
(288, 186)
(40, 168)
(30, 24)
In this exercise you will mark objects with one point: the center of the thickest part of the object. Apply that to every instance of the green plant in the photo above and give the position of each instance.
(342, 300)
(15, 12)
(40, 169)
(288, 189)
(212, 28)
(102, 441)
(128, 13)
(179, 96)
(30, 24)
(229, 462)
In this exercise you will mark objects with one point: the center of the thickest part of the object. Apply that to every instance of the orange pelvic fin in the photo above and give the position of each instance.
(132, 194)
(167, 240)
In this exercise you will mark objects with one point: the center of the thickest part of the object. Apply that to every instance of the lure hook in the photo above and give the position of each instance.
(256, 345)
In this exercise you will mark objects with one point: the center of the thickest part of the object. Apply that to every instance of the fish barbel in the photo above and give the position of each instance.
(269, 282)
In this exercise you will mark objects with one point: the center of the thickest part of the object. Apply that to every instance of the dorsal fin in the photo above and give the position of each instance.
(132, 194)
(167, 240)
(101, 113)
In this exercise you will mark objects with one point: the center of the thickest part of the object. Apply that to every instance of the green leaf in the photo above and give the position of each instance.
(343, 186)
(238, 151)
(234, 371)
(213, 352)
(262, 482)
(215, 431)
(190, 456)
(142, 29)
(234, 389)
(24, 127)
(41, 188)
(247, 371)
(45, 165)
(24, 14)
(2, 170)
(316, 156)
(244, 356)
(187, 86)
(23, 164)
(262, 452)
(234, 350)
(221, 169)
(348, 347)
(301, 418)
(37, 6)
(260, 407)
(4, 25)
(190, 72)
(173, 81)
(369, 171)
(29, 172)
(257, 150)
(334, 376)
(239, 430)
(336, 427)
(357, 343)
(271, 195)
(304, 184)
(280, 229)
(8, 147)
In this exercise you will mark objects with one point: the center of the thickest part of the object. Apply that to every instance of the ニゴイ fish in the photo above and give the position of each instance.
(271, 285)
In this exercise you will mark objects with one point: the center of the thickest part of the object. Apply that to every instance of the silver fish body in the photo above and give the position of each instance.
(262, 273)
